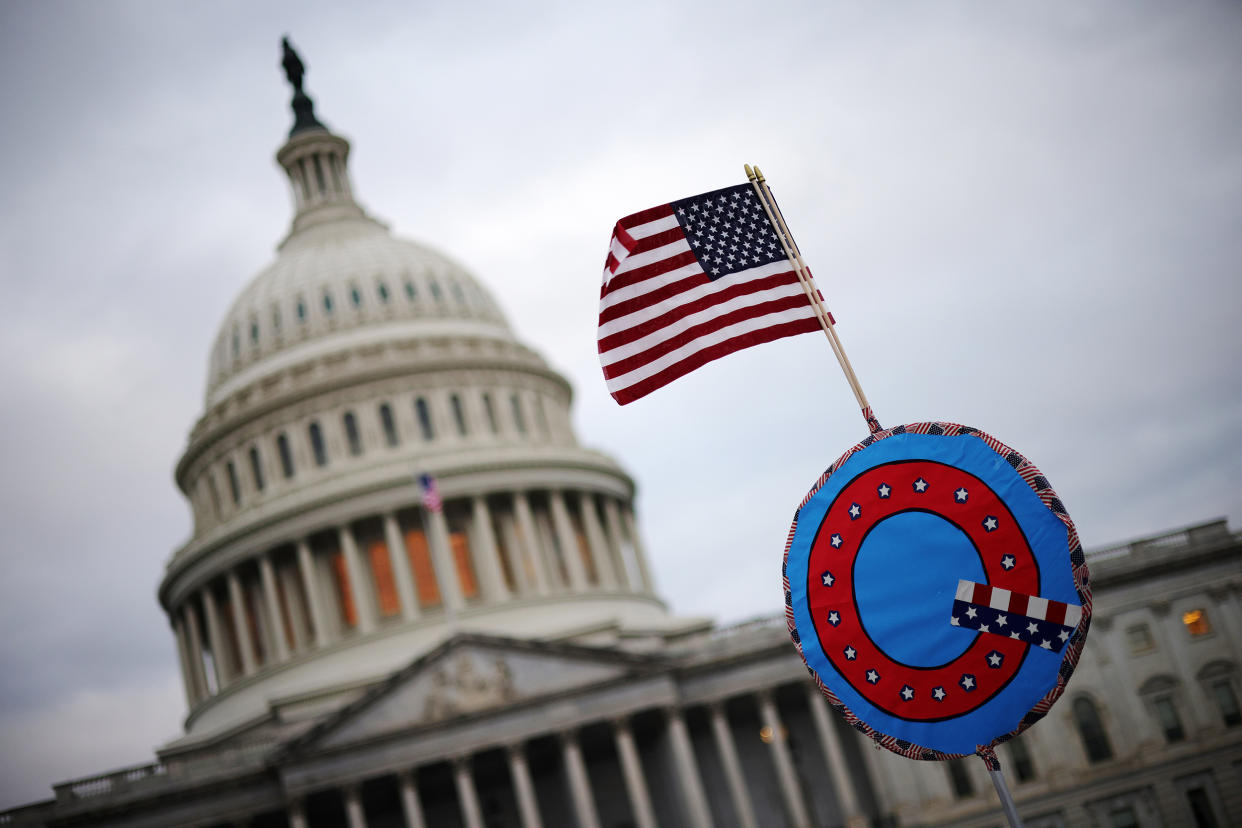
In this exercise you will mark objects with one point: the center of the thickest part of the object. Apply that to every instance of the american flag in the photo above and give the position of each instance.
(431, 493)
(689, 282)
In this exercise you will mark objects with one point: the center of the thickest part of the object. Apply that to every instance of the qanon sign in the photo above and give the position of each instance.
(936, 589)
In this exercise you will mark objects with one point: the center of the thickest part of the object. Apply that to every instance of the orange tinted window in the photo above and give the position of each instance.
(420, 564)
(460, 545)
(385, 586)
(344, 595)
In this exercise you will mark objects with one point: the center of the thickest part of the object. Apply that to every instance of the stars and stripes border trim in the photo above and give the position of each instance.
(1078, 562)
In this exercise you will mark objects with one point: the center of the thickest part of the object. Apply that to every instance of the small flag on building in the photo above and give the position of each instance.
(431, 493)
(688, 282)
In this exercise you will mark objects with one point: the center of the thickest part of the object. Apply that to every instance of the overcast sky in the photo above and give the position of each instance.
(1025, 217)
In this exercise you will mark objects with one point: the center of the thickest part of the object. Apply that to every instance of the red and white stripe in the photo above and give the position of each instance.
(1019, 603)
(660, 316)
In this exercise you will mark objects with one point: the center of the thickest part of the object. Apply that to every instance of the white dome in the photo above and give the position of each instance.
(342, 285)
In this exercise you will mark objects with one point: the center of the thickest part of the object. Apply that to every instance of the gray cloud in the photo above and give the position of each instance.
(1024, 218)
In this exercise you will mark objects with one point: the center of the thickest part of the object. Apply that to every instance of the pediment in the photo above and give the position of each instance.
(472, 675)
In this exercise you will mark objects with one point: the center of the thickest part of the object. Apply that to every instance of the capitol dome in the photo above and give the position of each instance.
(381, 464)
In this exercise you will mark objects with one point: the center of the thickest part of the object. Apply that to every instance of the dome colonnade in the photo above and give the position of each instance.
(352, 364)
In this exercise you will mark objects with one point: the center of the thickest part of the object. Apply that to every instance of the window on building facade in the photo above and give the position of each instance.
(1217, 678)
(215, 494)
(286, 455)
(436, 293)
(519, 419)
(352, 435)
(1091, 730)
(256, 468)
(355, 296)
(389, 425)
(318, 449)
(342, 591)
(411, 292)
(459, 542)
(419, 555)
(382, 290)
(254, 332)
(1196, 622)
(276, 318)
(489, 410)
(1123, 817)
(389, 604)
(301, 309)
(1170, 721)
(1201, 809)
(1023, 766)
(1140, 639)
(234, 485)
(327, 303)
(1159, 692)
(959, 778)
(423, 412)
(459, 414)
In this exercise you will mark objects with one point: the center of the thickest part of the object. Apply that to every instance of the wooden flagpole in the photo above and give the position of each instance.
(812, 292)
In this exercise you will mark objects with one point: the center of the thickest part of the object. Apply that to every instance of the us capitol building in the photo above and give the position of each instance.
(357, 651)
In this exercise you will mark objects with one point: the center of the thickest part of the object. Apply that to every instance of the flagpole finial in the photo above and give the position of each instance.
(758, 174)
(750, 174)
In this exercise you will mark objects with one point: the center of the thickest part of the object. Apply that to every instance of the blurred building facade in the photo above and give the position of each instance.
(359, 648)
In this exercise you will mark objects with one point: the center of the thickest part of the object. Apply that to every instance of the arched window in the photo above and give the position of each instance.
(459, 414)
(1091, 730)
(389, 425)
(959, 777)
(1159, 692)
(234, 486)
(286, 456)
(352, 436)
(411, 292)
(318, 449)
(436, 293)
(1218, 679)
(423, 412)
(1023, 766)
(327, 303)
(256, 468)
(490, 411)
(301, 310)
(355, 296)
(382, 290)
(215, 494)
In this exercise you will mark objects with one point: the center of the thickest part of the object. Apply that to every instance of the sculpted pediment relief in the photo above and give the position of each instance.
(471, 677)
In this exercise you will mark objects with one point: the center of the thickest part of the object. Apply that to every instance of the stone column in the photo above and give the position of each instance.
(194, 638)
(486, 557)
(614, 532)
(241, 625)
(410, 805)
(640, 554)
(785, 772)
(834, 758)
(442, 555)
(467, 796)
(738, 790)
(698, 814)
(359, 583)
(523, 789)
(632, 770)
(354, 813)
(310, 584)
(188, 679)
(568, 541)
(297, 814)
(600, 553)
(1123, 692)
(400, 567)
(267, 574)
(579, 782)
(216, 639)
(508, 532)
(530, 541)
